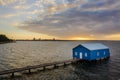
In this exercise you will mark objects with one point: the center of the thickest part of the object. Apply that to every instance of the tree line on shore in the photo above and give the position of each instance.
(4, 38)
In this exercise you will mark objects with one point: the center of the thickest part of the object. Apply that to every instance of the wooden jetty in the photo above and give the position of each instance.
(43, 66)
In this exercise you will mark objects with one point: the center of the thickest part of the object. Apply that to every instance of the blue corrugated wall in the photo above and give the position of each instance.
(83, 50)
(91, 55)
(94, 53)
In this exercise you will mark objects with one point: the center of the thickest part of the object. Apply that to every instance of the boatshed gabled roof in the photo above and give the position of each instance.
(94, 46)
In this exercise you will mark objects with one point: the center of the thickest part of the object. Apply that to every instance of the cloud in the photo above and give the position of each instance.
(99, 5)
(6, 2)
(35, 11)
(21, 7)
(15, 24)
(8, 15)
(56, 6)
(13, 8)
(113, 36)
(41, 3)
(11, 15)
(74, 18)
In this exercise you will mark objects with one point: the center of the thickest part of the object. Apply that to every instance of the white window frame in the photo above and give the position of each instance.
(76, 53)
(86, 55)
(104, 53)
(98, 54)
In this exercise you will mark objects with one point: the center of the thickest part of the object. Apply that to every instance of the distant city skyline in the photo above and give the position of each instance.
(60, 19)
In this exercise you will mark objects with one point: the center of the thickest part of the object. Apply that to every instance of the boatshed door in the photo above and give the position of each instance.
(80, 55)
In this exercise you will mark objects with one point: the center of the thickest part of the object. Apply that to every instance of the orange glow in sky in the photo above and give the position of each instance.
(81, 38)
(60, 19)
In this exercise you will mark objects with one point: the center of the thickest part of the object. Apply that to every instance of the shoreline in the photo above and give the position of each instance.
(67, 40)
(4, 42)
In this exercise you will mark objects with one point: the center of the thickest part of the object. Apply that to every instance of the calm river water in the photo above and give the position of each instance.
(26, 53)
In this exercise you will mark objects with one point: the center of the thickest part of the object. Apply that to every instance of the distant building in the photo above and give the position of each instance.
(34, 39)
(91, 51)
(53, 38)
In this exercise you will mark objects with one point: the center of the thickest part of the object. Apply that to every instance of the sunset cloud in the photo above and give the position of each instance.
(113, 36)
(85, 19)
(12, 15)
(100, 5)
(6, 2)
(35, 12)
(21, 7)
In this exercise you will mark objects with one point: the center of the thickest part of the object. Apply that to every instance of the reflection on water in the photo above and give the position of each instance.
(98, 71)
(21, 53)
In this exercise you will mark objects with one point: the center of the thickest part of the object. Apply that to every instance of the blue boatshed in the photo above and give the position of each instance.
(91, 51)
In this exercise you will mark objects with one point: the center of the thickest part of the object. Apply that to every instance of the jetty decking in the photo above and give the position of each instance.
(44, 66)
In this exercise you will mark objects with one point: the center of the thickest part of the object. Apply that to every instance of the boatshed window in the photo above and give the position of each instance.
(97, 53)
(104, 52)
(75, 53)
(85, 54)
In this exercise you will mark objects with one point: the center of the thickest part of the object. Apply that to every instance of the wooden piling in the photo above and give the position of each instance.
(29, 71)
(12, 74)
(64, 64)
(55, 66)
(44, 66)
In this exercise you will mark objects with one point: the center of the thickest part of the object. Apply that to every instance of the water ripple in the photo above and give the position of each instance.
(21, 53)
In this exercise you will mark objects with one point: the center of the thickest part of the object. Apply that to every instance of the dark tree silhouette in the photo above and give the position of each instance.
(3, 38)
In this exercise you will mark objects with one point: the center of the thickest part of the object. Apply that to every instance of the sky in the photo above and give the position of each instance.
(60, 19)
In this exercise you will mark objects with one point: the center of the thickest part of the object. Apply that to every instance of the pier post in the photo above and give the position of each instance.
(64, 64)
(43, 68)
(29, 71)
(55, 66)
(12, 75)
